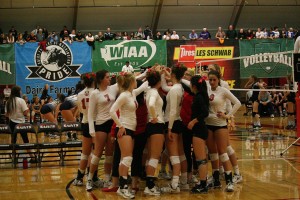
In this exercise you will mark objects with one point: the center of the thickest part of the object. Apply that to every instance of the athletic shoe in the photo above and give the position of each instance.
(194, 179)
(74, 135)
(78, 182)
(210, 182)
(164, 175)
(69, 136)
(272, 116)
(199, 189)
(113, 189)
(125, 193)
(169, 189)
(237, 178)
(154, 191)
(89, 185)
(229, 187)
(98, 183)
(184, 186)
(106, 184)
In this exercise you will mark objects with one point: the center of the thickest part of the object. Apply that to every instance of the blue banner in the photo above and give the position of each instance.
(59, 65)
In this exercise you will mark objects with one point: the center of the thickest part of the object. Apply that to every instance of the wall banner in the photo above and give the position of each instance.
(7, 64)
(264, 64)
(60, 66)
(112, 55)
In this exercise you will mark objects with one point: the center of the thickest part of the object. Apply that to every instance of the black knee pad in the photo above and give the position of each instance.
(291, 113)
(201, 162)
(253, 114)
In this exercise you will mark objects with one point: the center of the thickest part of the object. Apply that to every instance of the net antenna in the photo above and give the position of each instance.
(200, 70)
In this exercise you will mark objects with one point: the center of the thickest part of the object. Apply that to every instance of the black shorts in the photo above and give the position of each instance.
(85, 130)
(128, 132)
(14, 136)
(200, 131)
(46, 109)
(177, 128)
(157, 128)
(291, 97)
(105, 127)
(66, 105)
(214, 128)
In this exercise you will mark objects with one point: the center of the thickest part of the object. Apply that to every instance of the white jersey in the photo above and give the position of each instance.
(154, 102)
(100, 104)
(128, 68)
(217, 101)
(228, 105)
(83, 100)
(17, 115)
(174, 101)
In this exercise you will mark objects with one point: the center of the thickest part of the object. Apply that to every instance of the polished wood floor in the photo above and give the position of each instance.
(266, 175)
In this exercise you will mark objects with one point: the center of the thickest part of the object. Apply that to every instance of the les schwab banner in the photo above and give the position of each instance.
(191, 52)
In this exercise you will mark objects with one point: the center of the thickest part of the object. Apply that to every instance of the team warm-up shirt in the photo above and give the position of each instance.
(83, 100)
(17, 115)
(217, 101)
(72, 99)
(100, 104)
(154, 102)
(127, 105)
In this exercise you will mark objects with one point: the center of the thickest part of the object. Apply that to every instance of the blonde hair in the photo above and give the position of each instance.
(124, 81)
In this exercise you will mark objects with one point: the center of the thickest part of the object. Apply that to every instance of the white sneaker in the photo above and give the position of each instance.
(229, 187)
(194, 179)
(164, 175)
(98, 184)
(107, 184)
(78, 182)
(89, 185)
(169, 189)
(237, 178)
(184, 186)
(125, 193)
(154, 191)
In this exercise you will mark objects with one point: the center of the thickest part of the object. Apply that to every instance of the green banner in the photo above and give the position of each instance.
(266, 58)
(7, 64)
(112, 55)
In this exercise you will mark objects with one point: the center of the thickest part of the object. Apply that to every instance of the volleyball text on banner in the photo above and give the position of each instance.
(7, 64)
(60, 66)
(112, 55)
(264, 59)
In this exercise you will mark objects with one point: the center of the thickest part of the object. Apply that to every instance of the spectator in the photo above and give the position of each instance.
(259, 34)
(275, 33)
(2, 39)
(53, 38)
(10, 38)
(265, 105)
(193, 35)
(31, 37)
(35, 31)
(241, 34)
(139, 35)
(99, 37)
(125, 36)
(127, 68)
(183, 37)
(14, 32)
(174, 36)
(20, 39)
(204, 34)
(220, 33)
(277, 102)
(45, 32)
(108, 35)
(283, 33)
(44, 95)
(73, 35)
(167, 36)
(6, 91)
(231, 33)
(66, 37)
(157, 36)
(249, 34)
(132, 36)
(40, 36)
(25, 35)
(62, 32)
(265, 32)
(290, 33)
(79, 37)
(90, 40)
(118, 36)
(148, 33)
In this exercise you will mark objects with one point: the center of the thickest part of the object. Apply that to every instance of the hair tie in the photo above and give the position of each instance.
(149, 70)
(88, 75)
(201, 80)
(93, 75)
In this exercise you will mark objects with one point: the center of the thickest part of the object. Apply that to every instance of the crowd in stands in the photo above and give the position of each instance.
(42, 34)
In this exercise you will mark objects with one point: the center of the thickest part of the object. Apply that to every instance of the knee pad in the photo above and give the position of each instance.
(95, 160)
(108, 160)
(201, 162)
(214, 156)
(127, 161)
(230, 150)
(182, 158)
(153, 163)
(84, 157)
(224, 157)
(290, 113)
(174, 160)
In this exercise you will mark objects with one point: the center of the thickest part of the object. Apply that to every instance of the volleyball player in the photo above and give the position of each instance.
(175, 128)
(50, 109)
(290, 98)
(87, 141)
(217, 127)
(36, 107)
(155, 129)
(126, 125)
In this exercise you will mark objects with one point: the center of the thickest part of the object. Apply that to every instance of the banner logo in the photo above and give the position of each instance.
(54, 64)
(187, 53)
(141, 50)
